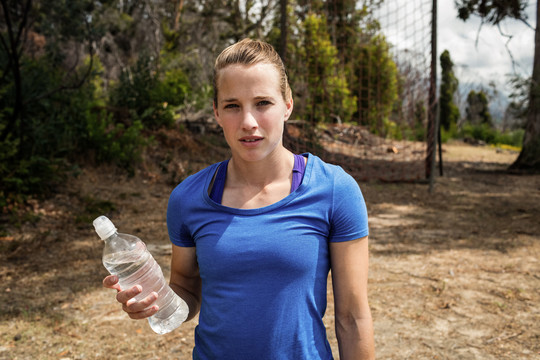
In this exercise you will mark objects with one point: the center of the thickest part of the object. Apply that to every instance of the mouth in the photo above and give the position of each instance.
(250, 139)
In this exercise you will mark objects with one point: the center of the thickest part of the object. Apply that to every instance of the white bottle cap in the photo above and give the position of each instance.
(104, 227)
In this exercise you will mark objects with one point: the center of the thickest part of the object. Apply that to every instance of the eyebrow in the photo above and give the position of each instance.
(262, 97)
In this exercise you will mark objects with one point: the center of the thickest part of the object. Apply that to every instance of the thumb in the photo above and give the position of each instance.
(111, 282)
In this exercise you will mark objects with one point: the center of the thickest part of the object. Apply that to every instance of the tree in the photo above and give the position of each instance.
(478, 108)
(371, 71)
(516, 111)
(326, 94)
(493, 12)
(46, 58)
(375, 83)
(449, 112)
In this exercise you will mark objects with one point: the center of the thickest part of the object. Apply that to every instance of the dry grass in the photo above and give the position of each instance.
(454, 275)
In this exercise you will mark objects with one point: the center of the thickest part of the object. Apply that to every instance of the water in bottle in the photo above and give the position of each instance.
(127, 257)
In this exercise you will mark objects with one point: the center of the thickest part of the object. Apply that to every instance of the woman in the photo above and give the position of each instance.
(254, 237)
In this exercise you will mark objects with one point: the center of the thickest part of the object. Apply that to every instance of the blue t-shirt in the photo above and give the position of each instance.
(264, 271)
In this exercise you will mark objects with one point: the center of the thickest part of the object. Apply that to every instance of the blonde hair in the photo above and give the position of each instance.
(250, 52)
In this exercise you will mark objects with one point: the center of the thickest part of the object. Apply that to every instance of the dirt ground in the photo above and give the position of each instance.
(453, 275)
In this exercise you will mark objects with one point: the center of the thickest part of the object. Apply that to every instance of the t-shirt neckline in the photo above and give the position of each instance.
(255, 211)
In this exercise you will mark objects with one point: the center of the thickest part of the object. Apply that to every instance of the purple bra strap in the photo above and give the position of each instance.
(219, 182)
(298, 171)
(216, 193)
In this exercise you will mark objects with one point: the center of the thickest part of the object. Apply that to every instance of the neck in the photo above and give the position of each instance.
(276, 167)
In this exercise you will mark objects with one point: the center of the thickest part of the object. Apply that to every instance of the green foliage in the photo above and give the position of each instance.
(171, 37)
(49, 131)
(451, 133)
(146, 95)
(173, 88)
(133, 93)
(420, 115)
(375, 82)
(326, 92)
(519, 100)
(55, 129)
(392, 130)
(114, 142)
(478, 108)
(449, 112)
(492, 11)
(61, 111)
(486, 133)
(351, 25)
(512, 138)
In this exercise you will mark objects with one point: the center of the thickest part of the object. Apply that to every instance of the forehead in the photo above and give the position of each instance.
(238, 76)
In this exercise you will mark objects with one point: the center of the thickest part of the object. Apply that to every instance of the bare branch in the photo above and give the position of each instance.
(4, 44)
(478, 33)
(509, 38)
(527, 24)
(7, 17)
(22, 25)
(77, 83)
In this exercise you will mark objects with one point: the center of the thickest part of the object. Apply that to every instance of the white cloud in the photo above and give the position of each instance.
(481, 57)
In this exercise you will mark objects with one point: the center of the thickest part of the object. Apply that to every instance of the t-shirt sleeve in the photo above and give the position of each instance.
(178, 231)
(349, 219)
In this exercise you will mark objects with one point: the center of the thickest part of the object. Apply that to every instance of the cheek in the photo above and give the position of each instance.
(273, 124)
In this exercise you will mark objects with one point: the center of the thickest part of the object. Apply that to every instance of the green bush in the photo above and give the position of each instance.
(325, 94)
(375, 83)
(392, 130)
(484, 132)
(451, 133)
(147, 96)
(114, 142)
(512, 138)
(56, 129)
(47, 132)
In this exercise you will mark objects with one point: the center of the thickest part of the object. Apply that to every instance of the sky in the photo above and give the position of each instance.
(481, 57)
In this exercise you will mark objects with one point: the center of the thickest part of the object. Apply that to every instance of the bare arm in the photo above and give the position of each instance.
(185, 278)
(354, 325)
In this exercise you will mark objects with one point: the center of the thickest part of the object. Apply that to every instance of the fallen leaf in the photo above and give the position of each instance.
(63, 353)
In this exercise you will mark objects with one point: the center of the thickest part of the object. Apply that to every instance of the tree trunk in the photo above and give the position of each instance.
(12, 50)
(529, 158)
(178, 12)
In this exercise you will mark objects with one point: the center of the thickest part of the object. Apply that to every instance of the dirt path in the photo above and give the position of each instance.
(454, 275)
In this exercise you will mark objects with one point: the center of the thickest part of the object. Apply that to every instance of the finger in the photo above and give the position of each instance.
(144, 314)
(111, 282)
(124, 296)
(133, 306)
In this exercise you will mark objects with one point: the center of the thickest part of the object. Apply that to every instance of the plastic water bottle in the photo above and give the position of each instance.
(127, 257)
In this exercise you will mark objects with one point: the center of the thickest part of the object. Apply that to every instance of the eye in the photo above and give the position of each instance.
(230, 106)
(264, 103)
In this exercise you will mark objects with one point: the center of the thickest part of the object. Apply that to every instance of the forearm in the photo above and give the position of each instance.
(192, 300)
(355, 338)
(185, 279)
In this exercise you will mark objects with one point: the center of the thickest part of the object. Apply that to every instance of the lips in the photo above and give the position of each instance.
(250, 139)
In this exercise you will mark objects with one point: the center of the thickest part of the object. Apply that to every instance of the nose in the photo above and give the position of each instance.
(249, 122)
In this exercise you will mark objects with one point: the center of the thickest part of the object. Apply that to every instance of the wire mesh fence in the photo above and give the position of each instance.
(362, 92)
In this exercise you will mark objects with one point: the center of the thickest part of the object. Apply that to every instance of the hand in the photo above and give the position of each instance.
(135, 309)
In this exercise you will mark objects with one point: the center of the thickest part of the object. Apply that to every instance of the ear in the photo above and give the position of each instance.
(216, 113)
(290, 105)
